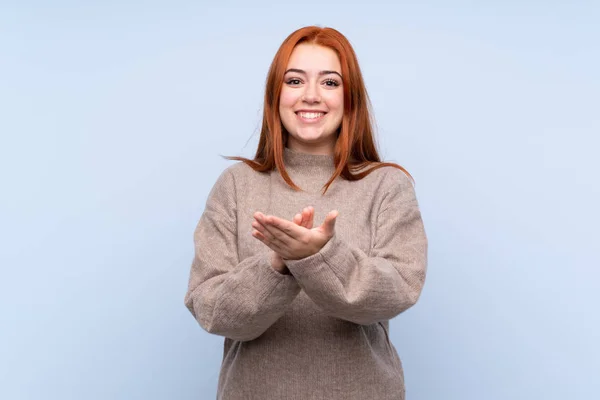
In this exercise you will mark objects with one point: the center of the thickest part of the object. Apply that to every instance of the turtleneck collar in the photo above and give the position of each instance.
(309, 171)
(296, 159)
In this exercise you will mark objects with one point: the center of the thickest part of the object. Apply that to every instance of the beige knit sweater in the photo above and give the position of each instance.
(321, 332)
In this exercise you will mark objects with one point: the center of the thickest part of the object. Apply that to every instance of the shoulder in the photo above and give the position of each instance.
(389, 178)
(241, 174)
(395, 176)
(236, 177)
(391, 185)
(233, 172)
(223, 195)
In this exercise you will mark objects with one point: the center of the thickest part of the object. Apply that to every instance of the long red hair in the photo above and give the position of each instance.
(355, 146)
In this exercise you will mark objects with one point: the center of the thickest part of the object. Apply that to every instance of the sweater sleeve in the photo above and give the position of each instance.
(349, 284)
(238, 299)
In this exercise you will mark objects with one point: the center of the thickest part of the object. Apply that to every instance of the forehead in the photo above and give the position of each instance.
(314, 57)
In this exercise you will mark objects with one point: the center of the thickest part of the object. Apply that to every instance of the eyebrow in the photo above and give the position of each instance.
(321, 73)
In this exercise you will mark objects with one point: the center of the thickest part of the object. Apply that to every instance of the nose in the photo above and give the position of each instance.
(311, 94)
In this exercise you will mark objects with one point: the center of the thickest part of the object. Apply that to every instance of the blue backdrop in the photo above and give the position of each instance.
(113, 116)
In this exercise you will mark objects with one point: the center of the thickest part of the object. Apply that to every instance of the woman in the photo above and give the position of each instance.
(304, 310)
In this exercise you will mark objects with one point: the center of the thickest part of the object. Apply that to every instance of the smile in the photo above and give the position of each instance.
(310, 116)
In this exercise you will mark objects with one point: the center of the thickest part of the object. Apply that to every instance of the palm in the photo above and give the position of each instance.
(294, 239)
(322, 233)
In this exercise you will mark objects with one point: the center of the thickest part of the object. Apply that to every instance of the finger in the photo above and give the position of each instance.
(266, 232)
(272, 245)
(306, 218)
(329, 223)
(258, 235)
(287, 228)
(258, 226)
(298, 219)
(309, 216)
(273, 223)
(259, 216)
(303, 218)
(260, 222)
(274, 234)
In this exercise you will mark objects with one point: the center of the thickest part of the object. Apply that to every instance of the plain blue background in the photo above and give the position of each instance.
(113, 116)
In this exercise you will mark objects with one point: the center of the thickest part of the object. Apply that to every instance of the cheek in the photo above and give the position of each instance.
(336, 103)
(286, 100)
(286, 104)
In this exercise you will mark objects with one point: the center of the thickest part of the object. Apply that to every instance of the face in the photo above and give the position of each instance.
(312, 99)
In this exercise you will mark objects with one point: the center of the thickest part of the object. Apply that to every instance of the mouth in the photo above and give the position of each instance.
(310, 116)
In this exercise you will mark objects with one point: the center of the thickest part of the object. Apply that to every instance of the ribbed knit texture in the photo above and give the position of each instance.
(322, 331)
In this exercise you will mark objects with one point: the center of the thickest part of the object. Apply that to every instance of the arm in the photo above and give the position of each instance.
(349, 284)
(239, 299)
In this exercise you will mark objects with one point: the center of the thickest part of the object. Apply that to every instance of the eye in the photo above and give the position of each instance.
(293, 81)
(332, 83)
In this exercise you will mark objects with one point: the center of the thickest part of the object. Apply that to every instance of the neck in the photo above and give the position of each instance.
(307, 170)
(325, 148)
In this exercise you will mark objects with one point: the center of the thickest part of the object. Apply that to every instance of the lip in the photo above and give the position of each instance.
(312, 111)
(310, 120)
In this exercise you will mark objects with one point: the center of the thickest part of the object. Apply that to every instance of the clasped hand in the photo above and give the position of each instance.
(293, 240)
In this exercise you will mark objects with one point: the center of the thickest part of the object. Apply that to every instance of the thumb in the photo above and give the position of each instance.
(328, 225)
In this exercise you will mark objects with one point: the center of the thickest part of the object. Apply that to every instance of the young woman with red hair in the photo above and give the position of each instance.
(305, 310)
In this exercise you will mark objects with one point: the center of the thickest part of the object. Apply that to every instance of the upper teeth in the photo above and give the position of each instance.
(310, 115)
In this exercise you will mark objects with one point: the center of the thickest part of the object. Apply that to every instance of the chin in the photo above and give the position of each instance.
(313, 136)
(309, 138)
